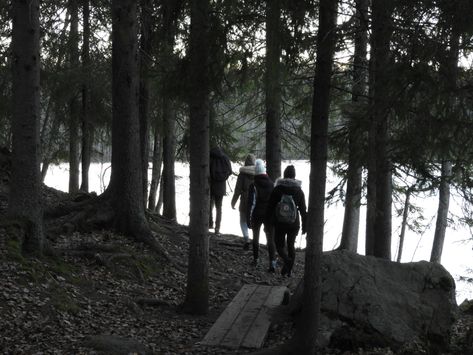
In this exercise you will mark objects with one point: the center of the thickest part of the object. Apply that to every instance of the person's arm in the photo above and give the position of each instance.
(238, 190)
(303, 211)
(273, 200)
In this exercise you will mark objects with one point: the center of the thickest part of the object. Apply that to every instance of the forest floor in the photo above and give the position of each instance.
(102, 283)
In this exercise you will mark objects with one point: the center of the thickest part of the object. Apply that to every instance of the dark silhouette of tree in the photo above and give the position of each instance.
(74, 112)
(351, 218)
(87, 128)
(326, 37)
(25, 183)
(197, 292)
(273, 89)
(125, 187)
(146, 40)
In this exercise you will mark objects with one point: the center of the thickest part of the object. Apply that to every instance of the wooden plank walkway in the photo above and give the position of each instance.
(245, 321)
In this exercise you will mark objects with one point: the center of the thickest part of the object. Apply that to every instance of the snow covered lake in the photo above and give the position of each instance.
(457, 252)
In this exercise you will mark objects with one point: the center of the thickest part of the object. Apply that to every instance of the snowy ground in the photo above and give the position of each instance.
(457, 252)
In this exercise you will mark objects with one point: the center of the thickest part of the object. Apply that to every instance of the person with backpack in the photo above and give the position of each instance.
(285, 204)
(220, 170)
(258, 197)
(244, 180)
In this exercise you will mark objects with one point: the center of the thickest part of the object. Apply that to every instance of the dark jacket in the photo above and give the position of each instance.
(244, 180)
(220, 170)
(288, 187)
(258, 198)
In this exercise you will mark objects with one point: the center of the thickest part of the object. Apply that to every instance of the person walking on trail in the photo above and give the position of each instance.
(285, 204)
(258, 198)
(244, 180)
(220, 170)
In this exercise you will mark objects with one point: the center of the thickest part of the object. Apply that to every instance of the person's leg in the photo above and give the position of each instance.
(256, 229)
(218, 218)
(269, 231)
(244, 227)
(280, 241)
(291, 239)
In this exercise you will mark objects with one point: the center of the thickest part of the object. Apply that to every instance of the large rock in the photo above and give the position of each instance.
(371, 300)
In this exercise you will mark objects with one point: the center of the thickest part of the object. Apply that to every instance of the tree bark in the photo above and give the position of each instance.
(308, 327)
(87, 127)
(273, 89)
(380, 55)
(170, 13)
(73, 102)
(405, 214)
(145, 64)
(351, 220)
(25, 186)
(450, 72)
(156, 171)
(125, 188)
(197, 292)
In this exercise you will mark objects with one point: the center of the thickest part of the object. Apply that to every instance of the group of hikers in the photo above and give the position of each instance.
(274, 205)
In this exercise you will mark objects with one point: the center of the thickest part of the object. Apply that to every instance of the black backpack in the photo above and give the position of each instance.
(286, 211)
(220, 169)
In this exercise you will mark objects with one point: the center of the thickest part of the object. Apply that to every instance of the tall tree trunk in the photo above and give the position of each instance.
(156, 171)
(273, 89)
(405, 214)
(73, 102)
(380, 54)
(168, 179)
(307, 329)
(86, 119)
(450, 72)
(48, 146)
(145, 63)
(351, 220)
(197, 293)
(442, 212)
(125, 188)
(170, 13)
(25, 186)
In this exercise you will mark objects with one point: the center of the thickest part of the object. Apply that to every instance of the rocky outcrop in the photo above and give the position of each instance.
(371, 301)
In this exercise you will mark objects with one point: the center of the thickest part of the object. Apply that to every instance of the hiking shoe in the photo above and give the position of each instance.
(246, 246)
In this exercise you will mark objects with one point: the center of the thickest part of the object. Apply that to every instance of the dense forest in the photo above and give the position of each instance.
(379, 91)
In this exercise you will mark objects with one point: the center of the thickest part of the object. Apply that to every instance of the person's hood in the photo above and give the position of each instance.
(288, 182)
(216, 152)
(250, 170)
(250, 160)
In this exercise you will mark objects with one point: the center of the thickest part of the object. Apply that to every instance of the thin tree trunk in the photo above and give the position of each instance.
(48, 147)
(168, 186)
(197, 292)
(307, 330)
(381, 37)
(405, 214)
(450, 71)
(273, 89)
(145, 63)
(442, 213)
(351, 220)
(156, 171)
(86, 119)
(25, 186)
(159, 204)
(73, 102)
(168, 180)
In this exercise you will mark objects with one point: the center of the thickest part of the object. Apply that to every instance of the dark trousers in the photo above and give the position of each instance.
(280, 234)
(217, 201)
(269, 231)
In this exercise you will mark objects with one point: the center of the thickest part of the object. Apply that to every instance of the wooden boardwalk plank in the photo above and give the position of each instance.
(245, 319)
(259, 329)
(225, 322)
